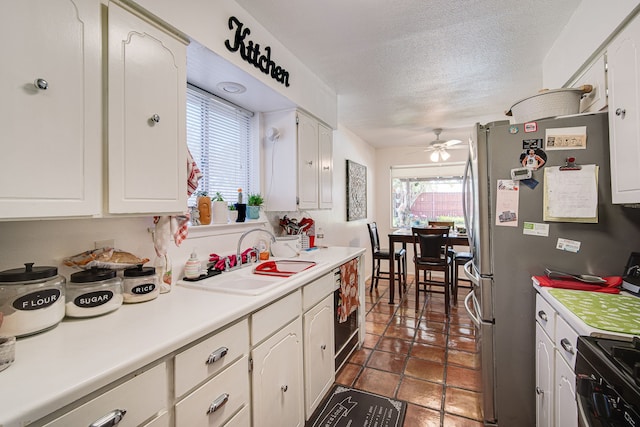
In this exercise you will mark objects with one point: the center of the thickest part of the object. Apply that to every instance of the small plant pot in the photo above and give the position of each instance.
(253, 212)
(220, 213)
(241, 208)
(233, 216)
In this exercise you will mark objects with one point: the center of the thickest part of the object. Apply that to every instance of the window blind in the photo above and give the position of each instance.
(219, 139)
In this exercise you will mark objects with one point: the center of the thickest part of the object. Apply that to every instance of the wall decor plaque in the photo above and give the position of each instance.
(356, 191)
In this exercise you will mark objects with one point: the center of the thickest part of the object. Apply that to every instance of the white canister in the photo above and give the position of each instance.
(93, 292)
(31, 300)
(140, 284)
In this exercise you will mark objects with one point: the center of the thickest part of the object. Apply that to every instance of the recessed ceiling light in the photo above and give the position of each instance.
(232, 87)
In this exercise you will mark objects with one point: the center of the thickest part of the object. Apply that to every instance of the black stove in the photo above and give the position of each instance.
(608, 382)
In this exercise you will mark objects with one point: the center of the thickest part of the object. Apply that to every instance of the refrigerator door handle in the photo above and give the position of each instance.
(466, 193)
(474, 317)
(467, 272)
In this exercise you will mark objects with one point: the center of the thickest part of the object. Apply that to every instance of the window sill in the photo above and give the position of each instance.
(200, 231)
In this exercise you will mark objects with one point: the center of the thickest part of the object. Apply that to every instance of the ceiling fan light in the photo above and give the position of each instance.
(444, 155)
(434, 156)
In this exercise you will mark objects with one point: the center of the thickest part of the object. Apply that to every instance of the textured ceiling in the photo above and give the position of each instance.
(404, 67)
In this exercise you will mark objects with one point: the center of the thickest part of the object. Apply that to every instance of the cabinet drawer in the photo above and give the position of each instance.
(315, 291)
(162, 421)
(546, 316)
(566, 341)
(192, 366)
(230, 389)
(142, 397)
(241, 419)
(274, 316)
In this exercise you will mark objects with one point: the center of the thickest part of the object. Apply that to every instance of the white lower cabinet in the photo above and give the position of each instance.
(555, 390)
(132, 402)
(277, 381)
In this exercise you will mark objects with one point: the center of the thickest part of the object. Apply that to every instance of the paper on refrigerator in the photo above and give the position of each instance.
(507, 198)
(571, 195)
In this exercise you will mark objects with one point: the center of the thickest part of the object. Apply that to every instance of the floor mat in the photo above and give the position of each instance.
(348, 407)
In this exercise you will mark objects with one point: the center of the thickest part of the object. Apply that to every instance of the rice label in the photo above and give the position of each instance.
(145, 288)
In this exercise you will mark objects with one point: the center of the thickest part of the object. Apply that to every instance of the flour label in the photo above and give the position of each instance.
(37, 300)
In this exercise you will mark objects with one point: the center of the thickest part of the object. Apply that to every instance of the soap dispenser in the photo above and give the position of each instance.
(192, 267)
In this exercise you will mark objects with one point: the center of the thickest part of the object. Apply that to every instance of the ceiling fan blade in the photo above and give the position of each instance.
(451, 142)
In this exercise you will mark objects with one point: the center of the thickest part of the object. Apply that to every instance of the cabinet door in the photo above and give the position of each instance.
(50, 114)
(277, 394)
(624, 114)
(566, 407)
(318, 353)
(544, 378)
(307, 162)
(147, 103)
(325, 141)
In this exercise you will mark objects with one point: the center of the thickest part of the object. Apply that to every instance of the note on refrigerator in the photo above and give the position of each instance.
(507, 199)
(571, 195)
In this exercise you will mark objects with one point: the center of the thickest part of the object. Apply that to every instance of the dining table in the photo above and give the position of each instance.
(404, 236)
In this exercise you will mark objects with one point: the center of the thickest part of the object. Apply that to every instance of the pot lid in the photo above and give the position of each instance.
(28, 273)
(139, 271)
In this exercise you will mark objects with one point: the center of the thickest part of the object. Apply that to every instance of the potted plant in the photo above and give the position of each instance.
(233, 212)
(220, 211)
(204, 207)
(255, 201)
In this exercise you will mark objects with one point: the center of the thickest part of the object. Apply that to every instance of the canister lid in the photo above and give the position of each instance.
(139, 271)
(28, 273)
(93, 275)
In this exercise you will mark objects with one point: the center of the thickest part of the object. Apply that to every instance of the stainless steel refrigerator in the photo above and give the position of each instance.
(502, 299)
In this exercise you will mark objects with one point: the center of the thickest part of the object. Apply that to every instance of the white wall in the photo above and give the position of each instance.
(588, 29)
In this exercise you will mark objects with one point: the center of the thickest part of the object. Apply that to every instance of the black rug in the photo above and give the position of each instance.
(347, 407)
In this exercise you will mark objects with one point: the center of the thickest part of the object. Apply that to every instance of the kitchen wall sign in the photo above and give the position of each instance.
(356, 191)
(250, 52)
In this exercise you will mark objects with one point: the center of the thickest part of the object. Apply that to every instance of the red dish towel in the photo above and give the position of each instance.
(611, 287)
(348, 302)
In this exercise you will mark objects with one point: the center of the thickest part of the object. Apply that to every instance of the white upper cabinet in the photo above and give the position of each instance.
(307, 143)
(623, 57)
(147, 104)
(596, 76)
(50, 114)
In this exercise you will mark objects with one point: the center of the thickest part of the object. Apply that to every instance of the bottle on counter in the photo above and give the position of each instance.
(192, 268)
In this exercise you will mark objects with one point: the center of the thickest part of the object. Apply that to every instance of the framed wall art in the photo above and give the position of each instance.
(356, 191)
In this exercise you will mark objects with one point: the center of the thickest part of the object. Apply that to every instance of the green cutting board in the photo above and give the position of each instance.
(609, 312)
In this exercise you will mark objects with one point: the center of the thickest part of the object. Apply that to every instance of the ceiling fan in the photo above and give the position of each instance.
(439, 146)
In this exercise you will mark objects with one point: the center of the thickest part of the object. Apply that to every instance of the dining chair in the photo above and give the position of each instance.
(459, 259)
(379, 254)
(431, 247)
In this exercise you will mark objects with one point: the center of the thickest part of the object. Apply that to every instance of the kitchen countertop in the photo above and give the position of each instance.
(57, 367)
(574, 321)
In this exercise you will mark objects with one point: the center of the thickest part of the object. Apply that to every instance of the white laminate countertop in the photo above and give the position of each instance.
(574, 321)
(57, 367)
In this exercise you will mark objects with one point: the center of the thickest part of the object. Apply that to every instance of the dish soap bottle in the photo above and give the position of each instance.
(192, 267)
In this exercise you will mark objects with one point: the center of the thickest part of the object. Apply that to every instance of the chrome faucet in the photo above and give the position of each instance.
(239, 255)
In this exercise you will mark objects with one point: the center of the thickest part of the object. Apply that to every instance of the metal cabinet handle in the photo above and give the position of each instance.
(284, 388)
(41, 84)
(326, 168)
(155, 118)
(217, 355)
(566, 344)
(539, 391)
(309, 162)
(218, 403)
(109, 420)
(543, 315)
(621, 112)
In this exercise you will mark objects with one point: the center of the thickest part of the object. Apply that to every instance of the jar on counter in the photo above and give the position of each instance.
(93, 292)
(140, 284)
(31, 300)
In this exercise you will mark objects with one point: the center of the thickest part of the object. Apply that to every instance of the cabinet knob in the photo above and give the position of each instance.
(566, 344)
(309, 162)
(539, 391)
(323, 347)
(620, 112)
(155, 118)
(284, 388)
(41, 84)
(542, 315)
(326, 168)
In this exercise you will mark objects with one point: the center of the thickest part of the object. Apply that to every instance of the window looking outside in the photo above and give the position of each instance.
(416, 201)
(219, 138)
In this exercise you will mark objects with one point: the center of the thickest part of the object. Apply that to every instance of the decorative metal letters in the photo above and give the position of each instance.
(250, 52)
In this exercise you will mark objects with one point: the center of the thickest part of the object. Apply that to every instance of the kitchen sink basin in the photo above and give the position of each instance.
(233, 284)
(282, 268)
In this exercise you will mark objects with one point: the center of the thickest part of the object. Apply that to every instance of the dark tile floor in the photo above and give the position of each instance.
(421, 357)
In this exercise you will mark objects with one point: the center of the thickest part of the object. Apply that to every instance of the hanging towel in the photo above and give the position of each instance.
(193, 174)
(349, 301)
(611, 287)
